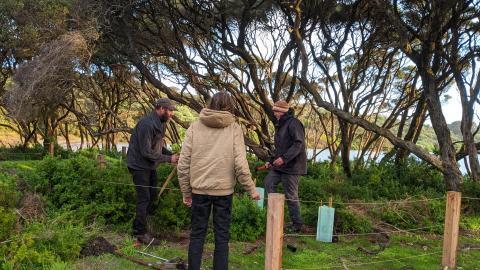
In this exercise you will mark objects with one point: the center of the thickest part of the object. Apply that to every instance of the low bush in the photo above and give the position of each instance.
(170, 214)
(8, 219)
(78, 188)
(248, 220)
(347, 222)
(43, 245)
(9, 196)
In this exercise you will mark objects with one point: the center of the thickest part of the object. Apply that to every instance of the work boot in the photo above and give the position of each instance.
(147, 239)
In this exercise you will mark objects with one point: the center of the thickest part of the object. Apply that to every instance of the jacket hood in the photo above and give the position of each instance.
(216, 119)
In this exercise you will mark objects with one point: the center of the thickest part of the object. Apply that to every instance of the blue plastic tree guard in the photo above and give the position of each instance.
(325, 223)
(262, 196)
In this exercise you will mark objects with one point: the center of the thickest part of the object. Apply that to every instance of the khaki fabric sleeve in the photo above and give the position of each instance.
(183, 167)
(242, 171)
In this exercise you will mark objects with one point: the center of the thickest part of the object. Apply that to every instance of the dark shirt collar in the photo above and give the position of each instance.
(285, 118)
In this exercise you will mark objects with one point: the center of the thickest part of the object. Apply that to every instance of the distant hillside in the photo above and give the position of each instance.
(428, 139)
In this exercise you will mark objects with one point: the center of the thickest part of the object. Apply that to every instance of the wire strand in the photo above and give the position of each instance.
(370, 203)
(363, 234)
(128, 184)
(470, 198)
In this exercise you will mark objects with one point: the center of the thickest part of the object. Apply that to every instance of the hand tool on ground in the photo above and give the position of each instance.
(175, 263)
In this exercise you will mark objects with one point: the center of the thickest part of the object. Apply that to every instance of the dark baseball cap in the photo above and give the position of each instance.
(165, 103)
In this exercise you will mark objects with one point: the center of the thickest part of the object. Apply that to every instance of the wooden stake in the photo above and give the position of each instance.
(101, 161)
(330, 202)
(274, 241)
(124, 151)
(51, 149)
(169, 178)
(450, 235)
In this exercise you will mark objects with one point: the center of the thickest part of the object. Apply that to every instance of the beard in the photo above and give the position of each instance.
(163, 118)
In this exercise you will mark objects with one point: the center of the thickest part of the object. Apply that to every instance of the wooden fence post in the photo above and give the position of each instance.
(101, 161)
(274, 241)
(450, 234)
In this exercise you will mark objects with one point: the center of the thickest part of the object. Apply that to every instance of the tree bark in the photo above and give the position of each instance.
(452, 175)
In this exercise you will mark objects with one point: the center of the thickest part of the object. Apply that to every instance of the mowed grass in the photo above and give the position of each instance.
(419, 252)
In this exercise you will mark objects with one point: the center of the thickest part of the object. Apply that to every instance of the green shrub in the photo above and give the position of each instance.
(170, 213)
(44, 245)
(429, 215)
(309, 214)
(390, 181)
(83, 192)
(9, 196)
(471, 189)
(471, 223)
(8, 219)
(348, 222)
(248, 220)
(72, 186)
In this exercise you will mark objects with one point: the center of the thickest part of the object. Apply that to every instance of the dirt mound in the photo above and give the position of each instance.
(32, 207)
(97, 246)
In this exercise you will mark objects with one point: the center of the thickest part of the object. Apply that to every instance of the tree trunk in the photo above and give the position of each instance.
(466, 127)
(452, 175)
(48, 140)
(345, 148)
(469, 142)
(67, 137)
(414, 129)
(80, 129)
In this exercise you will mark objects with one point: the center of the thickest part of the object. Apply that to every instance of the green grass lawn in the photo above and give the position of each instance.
(404, 252)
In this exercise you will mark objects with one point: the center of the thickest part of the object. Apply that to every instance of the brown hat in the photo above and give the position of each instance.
(165, 103)
(281, 106)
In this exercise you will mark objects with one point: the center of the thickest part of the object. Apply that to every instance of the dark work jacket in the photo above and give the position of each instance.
(145, 149)
(290, 145)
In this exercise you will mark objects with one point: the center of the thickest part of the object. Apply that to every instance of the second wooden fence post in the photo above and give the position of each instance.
(450, 234)
(274, 241)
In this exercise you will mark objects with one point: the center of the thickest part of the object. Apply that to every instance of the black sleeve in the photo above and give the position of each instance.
(145, 136)
(297, 134)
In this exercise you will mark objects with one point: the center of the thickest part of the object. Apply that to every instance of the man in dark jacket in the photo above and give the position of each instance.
(145, 153)
(289, 161)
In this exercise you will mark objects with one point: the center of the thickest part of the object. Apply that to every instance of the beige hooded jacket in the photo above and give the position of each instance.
(213, 156)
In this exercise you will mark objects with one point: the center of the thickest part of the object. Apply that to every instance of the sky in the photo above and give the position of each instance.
(452, 109)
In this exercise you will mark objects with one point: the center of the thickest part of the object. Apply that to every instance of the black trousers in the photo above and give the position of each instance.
(145, 180)
(202, 205)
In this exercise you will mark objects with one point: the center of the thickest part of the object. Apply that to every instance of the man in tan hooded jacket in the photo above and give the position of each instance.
(212, 158)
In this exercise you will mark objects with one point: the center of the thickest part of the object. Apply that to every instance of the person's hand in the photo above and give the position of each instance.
(255, 196)
(174, 159)
(268, 165)
(278, 162)
(187, 201)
